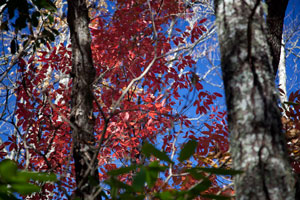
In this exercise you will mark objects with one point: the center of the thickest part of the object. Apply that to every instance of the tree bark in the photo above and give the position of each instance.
(275, 19)
(83, 74)
(282, 74)
(257, 142)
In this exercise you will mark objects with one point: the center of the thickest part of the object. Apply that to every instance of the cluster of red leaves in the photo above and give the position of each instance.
(291, 126)
(42, 106)
(123, 46)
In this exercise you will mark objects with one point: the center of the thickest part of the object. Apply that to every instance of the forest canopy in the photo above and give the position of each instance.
(149, 99)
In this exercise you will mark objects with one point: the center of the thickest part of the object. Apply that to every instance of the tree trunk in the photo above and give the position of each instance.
(83, 74)
(282, 74)
(275, 18)
(257, 143)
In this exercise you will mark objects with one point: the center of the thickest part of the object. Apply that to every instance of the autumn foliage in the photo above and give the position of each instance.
(131, 107)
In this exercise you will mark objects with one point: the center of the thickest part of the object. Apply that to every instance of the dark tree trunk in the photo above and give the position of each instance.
(257, 142)
(275, 19)
(83, 73)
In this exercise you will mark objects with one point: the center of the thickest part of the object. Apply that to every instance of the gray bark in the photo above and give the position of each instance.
(83, 74)
(257, 142)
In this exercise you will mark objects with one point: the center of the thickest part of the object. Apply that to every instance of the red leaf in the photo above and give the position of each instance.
(199, 86)
(202, 21)
(22, 62)
(203, 28)
(175, 41)
(12, 147)
(217, 94)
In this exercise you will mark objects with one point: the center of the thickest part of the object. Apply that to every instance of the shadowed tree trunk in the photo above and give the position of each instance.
(257, 142)
(83, 74)
(275, 18)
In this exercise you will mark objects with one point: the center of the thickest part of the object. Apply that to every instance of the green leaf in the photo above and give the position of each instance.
(122, 170)
(4, 188)
(51, 19)
(18, 179)
(152, 172)
(166, 196)
(139, 180)
(196, 173)
(157, 167)
(130, 196)
(200, 187)
(5, 196)
(291, 103)
(188, 150)
(148, 149)
(114, 183)
(25, 188)
(38, 176)
(8, 169)
(151, 177)
(219, 171)
(46, 4)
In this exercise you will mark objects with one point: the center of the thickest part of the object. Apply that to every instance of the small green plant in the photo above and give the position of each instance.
(14, 182)
(146, 177)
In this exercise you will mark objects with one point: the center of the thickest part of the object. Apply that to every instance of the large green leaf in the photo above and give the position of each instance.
(166, 195)
(25, 188)
(8, 169)
(196, 173)
(6, 196)
(139, 180)
(148, 149)
(14, 181)
(200, 187)
(188, 150)
(131, 196)
(37, 176)
(217, 171)
(152, 172)
(114, 183)
(122, 170)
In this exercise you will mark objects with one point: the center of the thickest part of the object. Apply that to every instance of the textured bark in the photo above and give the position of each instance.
(257, 143)
(282, 73)
(275, 19)
(83, 74)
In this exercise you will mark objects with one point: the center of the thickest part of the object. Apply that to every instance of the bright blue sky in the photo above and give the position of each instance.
(293, 62)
